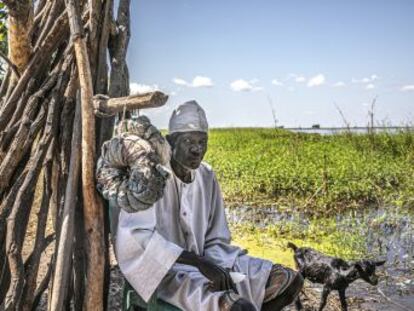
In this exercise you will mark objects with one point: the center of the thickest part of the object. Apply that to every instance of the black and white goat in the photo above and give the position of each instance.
(333, 273)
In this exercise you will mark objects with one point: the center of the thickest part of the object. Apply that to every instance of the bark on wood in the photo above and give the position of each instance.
(101, 81)
(32, 257)
(79, 262)
(63, 268)
(94, 23)
(4, 275)
(18, 219)
(4, 86)
(20, 21)
(17, 222)
(42, 55)
(118, 45)
(104, 127)
(12, 66)
(42, 286)
(105, 106)
(93, 213)
(5, 209)
(54, 10)
(32, 266)
(31, 87)
(66, 129)
(16, 151)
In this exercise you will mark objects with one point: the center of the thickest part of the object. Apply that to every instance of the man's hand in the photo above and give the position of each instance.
(220, 277)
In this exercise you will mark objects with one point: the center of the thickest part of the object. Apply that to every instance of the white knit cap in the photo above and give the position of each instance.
(188, 117)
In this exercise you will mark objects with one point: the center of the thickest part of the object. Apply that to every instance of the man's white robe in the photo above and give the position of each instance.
(191, 217)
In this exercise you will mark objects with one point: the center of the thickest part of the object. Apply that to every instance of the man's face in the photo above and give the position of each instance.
(189, 149)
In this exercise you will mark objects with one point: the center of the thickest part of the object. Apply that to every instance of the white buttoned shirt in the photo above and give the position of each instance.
(191, 217)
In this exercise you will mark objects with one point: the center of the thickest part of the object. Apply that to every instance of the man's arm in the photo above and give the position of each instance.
(143, 254)
(220, 278)
(218, 246)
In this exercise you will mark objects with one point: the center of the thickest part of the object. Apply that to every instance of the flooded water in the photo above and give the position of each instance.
(386, 233)
(354, 130)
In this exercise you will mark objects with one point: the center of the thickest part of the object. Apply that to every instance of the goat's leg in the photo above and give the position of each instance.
(324, 298)
(343, 300)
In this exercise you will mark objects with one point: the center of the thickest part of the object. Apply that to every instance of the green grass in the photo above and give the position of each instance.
(316, 173)
(322, 234)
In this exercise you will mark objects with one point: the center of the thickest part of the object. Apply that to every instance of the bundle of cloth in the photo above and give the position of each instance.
(133, 166)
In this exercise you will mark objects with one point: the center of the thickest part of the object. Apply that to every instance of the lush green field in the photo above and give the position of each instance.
(311, 171)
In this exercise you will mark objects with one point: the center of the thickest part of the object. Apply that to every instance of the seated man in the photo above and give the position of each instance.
(180, 247)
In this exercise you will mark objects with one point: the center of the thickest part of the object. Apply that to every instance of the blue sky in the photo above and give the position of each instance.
(301, 57)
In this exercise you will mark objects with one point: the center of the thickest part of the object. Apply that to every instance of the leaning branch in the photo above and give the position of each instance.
(10, 63)
(105, 106)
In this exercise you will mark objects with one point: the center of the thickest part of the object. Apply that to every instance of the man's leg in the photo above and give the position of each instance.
(282, 288)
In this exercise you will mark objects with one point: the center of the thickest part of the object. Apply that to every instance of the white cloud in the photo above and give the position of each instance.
(316, 80)
(339, 84)
(180, 81)
(245, 86)
(365, 80)
(200, 81)
(407, 88)
(297, 78)
(370, 86)
(277, 82)
(300, 79)
(241, 86)
(137, 88)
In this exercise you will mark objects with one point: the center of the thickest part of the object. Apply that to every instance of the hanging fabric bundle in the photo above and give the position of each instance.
(131, 171)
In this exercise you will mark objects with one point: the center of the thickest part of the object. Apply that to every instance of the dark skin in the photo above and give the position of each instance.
(188, 150)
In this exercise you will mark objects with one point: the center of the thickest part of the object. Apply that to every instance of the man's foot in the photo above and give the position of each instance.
(291, 283)
(230, 301)
(242, 305)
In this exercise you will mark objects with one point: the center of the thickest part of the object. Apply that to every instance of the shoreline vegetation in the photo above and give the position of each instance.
(340, 193)
(313, 173)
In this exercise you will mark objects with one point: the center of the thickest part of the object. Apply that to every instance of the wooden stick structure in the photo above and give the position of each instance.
(58, 87)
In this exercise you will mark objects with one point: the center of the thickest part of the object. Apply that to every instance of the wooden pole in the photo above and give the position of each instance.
(61, 279)
(105, 106)
(93, 211)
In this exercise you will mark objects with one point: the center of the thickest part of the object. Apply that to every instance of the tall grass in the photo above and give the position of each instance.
(317, 173)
